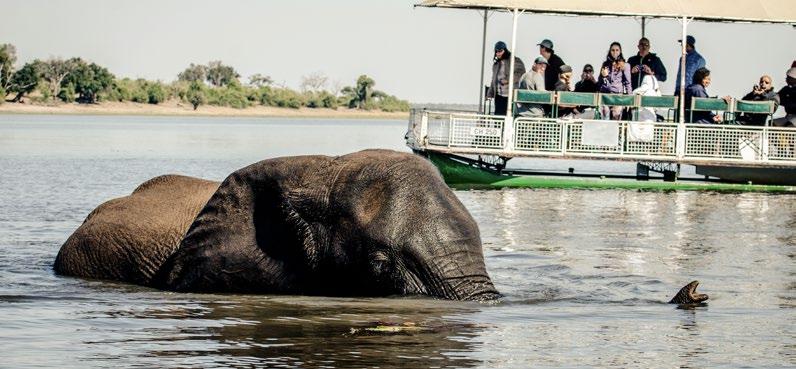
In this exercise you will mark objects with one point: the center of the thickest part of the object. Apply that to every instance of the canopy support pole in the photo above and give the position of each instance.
(643, 27)
(508, 126)
(681, 124)
(483, 61)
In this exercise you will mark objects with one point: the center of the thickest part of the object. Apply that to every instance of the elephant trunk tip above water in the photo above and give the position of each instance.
(371, 223)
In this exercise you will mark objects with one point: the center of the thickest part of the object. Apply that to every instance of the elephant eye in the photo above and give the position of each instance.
(380, 261)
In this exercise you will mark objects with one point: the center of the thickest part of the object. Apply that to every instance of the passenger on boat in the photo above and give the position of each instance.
(533, 80)
(763, 91)
(645, 57)
(693, 61)
(649, 87)
(554, 64)
(615, 79)
(563, 84)
(499, 88)
(587, 82)
(787, 98)
(698, 89)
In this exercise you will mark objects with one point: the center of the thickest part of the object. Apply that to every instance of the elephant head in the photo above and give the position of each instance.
(372, 223)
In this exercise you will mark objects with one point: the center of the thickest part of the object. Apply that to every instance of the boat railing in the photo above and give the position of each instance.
(469, 133)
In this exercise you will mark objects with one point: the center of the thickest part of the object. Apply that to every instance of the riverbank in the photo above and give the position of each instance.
(174, 108)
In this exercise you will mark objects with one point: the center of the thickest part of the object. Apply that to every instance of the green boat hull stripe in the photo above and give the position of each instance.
(463, 176)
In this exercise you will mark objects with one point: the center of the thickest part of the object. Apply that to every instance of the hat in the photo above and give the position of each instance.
(792, 72)
(540, 60)
(588, 68)
(565, 69)
(500, 45)
(689, 40)
(546, 43)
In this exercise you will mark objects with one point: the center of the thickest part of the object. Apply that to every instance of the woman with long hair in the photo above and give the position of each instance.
(614, 79)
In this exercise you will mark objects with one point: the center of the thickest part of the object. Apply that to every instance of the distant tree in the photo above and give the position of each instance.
(258, 80)
(8, 57)
(313, 82)
(360, 95)
(156, 94)
(25, 80)
(88, 80)
(54, 71)
(193, 73)
(196, 94)
(219, 74)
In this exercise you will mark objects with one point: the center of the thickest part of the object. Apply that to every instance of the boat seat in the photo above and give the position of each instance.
(659, 102)
(522, 96)
(755, 107)
(709, 104)
(587, 99)
(627, 101)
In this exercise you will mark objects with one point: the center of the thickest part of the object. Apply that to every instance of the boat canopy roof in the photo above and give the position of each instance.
(749, 11)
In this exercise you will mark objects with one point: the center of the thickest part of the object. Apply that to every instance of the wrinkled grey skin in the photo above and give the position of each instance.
(128, 239)
(372, 223)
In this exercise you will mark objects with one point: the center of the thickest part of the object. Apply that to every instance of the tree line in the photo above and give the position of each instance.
(76, 80)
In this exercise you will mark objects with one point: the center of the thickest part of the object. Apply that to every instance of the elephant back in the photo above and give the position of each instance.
(128, 238)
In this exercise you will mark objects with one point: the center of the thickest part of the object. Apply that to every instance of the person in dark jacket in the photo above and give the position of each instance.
(587, 82)
(554, 63)
(787, 98)
(763, 91)
(645, 57)
(499, 88)
(698, 89)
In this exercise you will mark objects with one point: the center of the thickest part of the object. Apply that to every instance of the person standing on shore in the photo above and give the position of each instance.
(642, 58)
(499, 87)
(554, 63)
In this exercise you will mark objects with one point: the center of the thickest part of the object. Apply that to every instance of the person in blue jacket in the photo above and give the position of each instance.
(693, 61)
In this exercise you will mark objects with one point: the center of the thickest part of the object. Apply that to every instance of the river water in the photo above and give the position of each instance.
(585, 274)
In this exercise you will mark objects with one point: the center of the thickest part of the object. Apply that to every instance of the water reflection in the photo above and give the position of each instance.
(288, 332)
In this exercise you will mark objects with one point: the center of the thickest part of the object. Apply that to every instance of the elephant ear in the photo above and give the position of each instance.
(307, 208)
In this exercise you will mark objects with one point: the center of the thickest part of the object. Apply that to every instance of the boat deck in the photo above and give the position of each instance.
(693, 144)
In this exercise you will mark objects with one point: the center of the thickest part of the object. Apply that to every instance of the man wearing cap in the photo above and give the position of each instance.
(644, 58)
(563, 84)
(499, 87)
(554, 64)
(693, 61)
(786, 97)
(533, 80)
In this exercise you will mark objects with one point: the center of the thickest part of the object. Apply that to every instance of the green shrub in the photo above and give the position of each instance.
(156, 94)
(287, 98)
(391, 103)
(67, 93)
(231, 95)
(2, 95)
(195, 94)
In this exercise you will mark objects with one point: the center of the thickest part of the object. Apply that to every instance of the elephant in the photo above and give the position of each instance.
(128, 239)
(371, 223)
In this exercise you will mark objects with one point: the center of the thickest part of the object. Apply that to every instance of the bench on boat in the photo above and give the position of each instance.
(552, 101)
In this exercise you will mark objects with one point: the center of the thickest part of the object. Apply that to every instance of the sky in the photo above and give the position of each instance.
(419, 54)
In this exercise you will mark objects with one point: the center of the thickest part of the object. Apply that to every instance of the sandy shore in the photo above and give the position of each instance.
(181, 109)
